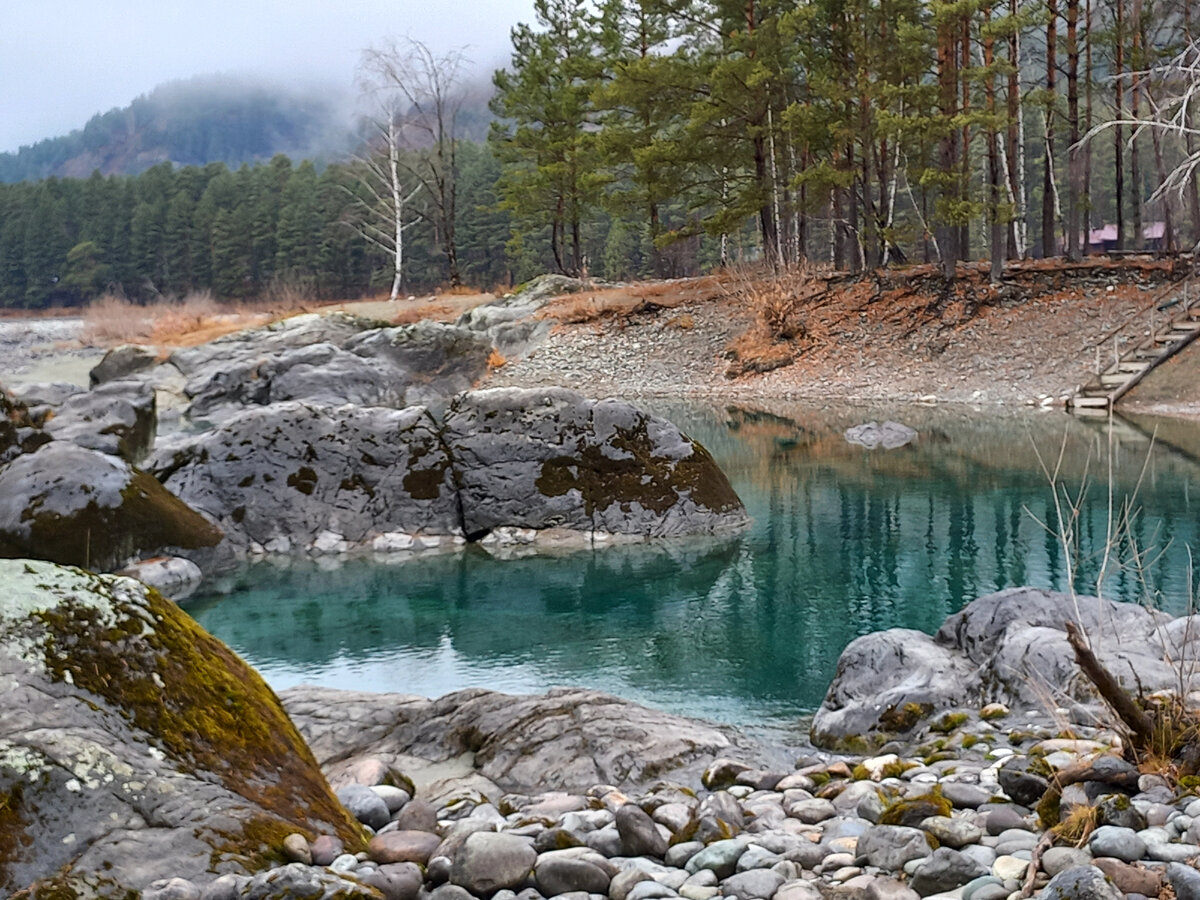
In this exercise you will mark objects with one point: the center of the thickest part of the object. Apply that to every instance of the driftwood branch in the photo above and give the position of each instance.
(1035, 862)
(1134, 717)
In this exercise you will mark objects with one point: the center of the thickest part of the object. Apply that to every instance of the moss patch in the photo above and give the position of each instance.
(626, 470)
(199, 703)
(900, 719)
(913, 812)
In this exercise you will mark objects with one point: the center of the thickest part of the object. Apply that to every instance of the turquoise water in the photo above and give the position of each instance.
(745, 630)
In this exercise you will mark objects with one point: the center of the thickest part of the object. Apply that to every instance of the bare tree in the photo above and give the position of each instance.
(426, 94)
(380, 210)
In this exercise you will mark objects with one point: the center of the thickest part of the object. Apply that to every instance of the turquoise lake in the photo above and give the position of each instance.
(746, 630)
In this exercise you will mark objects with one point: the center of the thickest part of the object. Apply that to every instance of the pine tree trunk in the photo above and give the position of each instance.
(1119, 99)
(1074, 157)
(1049, 238)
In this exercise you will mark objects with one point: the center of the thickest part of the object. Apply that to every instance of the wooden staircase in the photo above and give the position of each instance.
(1174, 322)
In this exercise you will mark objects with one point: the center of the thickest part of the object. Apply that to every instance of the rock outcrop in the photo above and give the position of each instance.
(332, 359)
(552, 458)
(1009, 647)
(134, 746)
(567, 739)
(118, 418)
(297, 477)
(82, 507)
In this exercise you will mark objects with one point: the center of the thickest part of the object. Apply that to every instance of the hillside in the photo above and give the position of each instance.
(193, 122)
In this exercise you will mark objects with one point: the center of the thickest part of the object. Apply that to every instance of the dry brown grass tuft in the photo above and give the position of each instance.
(1078, 826)
(496, 359)
(757, 350)
(198, 317)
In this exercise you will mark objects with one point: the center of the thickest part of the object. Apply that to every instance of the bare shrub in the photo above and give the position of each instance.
(112, 319)
(288, 294)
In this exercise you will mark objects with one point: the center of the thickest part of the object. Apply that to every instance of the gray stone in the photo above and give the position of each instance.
(559, 875)
(649, 890)
(1059, 859)
(971, 889)
(965, 796)
(1115, 809)
(952, 832)
(945, 870)
(622, 883)
(1003, 818)
(122, 361)
(365, 805)
(85, 756)
(1185, 880)
(1080, 883)
(541, 457)
(756, 883)
(224, 887)
(450, 892)
(395, 798)
(396, 881)
(889, 847)
(174, 577)
(119, 419)
(679, 854)
(172, 889)
(81, 507)
(720, 856)
(489, 862)
(798, 889)
(1020, 783)
(1119, 843)
(1129, 878)
(1014, 840)
(298, 880)
(639, 833)
(891, 681)
(1172, 853)
(290, 473)
(566, 739)
(885, 888)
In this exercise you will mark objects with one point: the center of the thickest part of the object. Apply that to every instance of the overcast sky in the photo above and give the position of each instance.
(61, 61)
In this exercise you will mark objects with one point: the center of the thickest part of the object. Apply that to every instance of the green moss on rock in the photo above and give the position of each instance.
(913, 812)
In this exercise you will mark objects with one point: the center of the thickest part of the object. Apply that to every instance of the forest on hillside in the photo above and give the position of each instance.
(665, 137)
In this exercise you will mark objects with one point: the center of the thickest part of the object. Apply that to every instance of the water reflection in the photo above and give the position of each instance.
(845, 541)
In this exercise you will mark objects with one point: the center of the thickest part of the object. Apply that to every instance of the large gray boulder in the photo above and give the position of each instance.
(543, 458)
(118, 418)
(568, 739)
(79, 507)
(121, 362)
(296, 477)
(134, 746)
(331, 359)
(1009, 647)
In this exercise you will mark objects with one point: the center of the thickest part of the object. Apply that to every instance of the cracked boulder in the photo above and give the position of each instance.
(134, 746)
(551, 458)
(297, 477)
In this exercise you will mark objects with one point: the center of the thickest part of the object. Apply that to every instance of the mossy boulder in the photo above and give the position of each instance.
(549, 457)
(80, 507)
(134, 746)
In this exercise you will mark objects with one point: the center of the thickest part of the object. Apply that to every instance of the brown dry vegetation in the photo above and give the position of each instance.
(630, 300)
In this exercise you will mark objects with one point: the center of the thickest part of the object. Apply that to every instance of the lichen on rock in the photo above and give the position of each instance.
(135, 744)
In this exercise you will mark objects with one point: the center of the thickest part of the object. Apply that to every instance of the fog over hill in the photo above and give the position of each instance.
(193, 122)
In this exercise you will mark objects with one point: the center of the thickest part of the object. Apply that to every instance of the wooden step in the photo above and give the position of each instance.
(1132, 366)
(1082, 402)
(1114, 380)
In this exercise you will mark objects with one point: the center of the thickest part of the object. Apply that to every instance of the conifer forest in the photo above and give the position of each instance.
(663, 138)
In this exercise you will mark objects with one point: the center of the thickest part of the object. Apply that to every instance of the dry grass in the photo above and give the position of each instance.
(757, 350)
(1078, 826)
(630, 300)
(436, 312)
(496, 359)
(198, 317)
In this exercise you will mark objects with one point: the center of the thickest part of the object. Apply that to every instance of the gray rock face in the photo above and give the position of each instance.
(550, 457)
(122, 361)
(149, 754)
(567, 739)
(489, 862)
(332, 359)
(18, 429)
(281, 476)
(510, 322)
(891, 846)
(999, 648)
(118, 418)
(945, 870)
(80, 507)
(1081, 883)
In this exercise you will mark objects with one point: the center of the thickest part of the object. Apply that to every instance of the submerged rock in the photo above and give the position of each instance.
(135, 747)
(1001, 648)
(543, 458)
(888, 435)
(80, 507)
